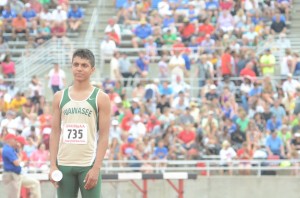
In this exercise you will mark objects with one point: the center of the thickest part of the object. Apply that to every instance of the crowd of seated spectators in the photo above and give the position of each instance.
(37, 22)
(254, 117)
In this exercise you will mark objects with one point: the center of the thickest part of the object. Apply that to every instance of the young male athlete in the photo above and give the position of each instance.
(76, 147)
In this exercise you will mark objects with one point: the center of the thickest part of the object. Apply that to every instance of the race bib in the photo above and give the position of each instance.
(75, 133)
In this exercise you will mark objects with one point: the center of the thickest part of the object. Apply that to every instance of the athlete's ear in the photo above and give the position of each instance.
(93, 69)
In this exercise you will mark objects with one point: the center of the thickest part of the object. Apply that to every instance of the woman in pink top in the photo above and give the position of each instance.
(8, 68)
(56, 78)
(40, 157)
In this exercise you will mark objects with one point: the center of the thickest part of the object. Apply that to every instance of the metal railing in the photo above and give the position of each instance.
(204, 167)
(93, 25)
(39, 61)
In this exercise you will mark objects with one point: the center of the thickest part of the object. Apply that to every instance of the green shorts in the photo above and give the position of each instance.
(72, 180)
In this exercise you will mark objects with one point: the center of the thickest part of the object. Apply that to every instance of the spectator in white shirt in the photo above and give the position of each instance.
(177, 65)
(45, 16)
(114, 67)
(290, 85)
(180, 103)
(60, 16)
(33, 126)
(3, 3)
(15, 5)
(251, 35)
(115, 131)
(286, 63)
(250, 5)
(112, 25)
(35, 86)
(178, 85)
(163, 7)
(108, 47)
(137, 129)
(227, 154)
(283, 42)
(10, 122)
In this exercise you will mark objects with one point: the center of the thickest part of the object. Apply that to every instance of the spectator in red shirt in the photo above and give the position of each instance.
(200, 37)
(152, 122)
(126, 121)
(226, 4)
(206, 27)
(245, 153)
(248, 70)
(36, 5)
(178, 46)
(187, 137)
(58, 30)
(127, 148)
(187, 30)
(114, 36)
(8, 67)
(226, 63)
(20, 144)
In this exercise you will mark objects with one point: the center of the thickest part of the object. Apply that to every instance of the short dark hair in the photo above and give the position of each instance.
(85, 54)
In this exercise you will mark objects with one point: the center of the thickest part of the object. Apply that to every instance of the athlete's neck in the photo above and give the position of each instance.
(80, 86)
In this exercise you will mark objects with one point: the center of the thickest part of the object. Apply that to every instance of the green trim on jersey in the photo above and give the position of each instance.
(92, 100)
(65, 98)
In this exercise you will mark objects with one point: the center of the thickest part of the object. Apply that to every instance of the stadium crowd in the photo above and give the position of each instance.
(247, 114)
(249, 117)
(27, 114)
(36, 21)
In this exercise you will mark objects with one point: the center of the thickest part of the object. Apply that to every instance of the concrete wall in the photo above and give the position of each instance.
(203, 187)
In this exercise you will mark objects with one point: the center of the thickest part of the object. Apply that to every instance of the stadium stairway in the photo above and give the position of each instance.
(294, 35)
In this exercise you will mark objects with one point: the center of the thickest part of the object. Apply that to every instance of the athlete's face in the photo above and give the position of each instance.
(82, 69)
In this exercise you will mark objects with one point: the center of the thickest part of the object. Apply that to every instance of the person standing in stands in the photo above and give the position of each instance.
(80, 131)
(56, 78)
(12, 178)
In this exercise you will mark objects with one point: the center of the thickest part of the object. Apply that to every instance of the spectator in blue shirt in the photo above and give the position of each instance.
(142, 64)
(253, 95)
(165, 89)
(187, 59)
(155, 3)
(130, 7)
(75, 16)
(273, 124)
(12, 178)
(11, 162)
(282, 17)
(278, 111)
(120, 3)
(274, 145)
(8, 15)
(142, 32)
(161, 152)
(256, 90)
(211, 5)
(168, 20)
(11, 166)
(29, 14)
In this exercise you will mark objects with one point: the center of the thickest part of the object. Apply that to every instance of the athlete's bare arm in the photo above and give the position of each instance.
(104, 108)
(55, 133)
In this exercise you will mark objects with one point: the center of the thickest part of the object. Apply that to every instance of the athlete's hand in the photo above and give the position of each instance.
(55, 184)
(91, 178)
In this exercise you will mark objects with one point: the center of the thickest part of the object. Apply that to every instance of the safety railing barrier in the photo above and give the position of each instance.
(210, 167)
